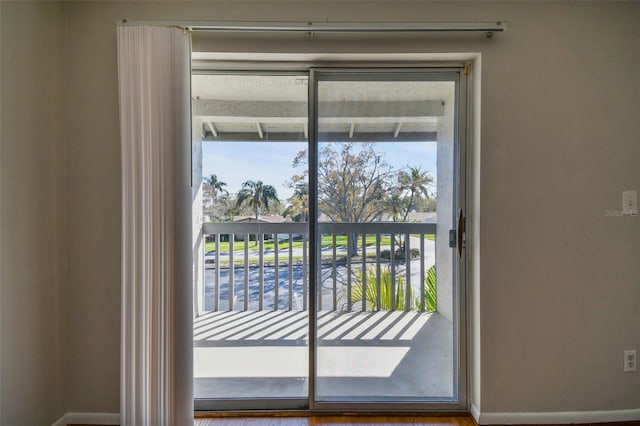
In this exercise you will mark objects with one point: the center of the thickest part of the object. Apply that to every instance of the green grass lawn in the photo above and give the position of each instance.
(327, 241)
(253, 245)
(284, 261)
(430, 237)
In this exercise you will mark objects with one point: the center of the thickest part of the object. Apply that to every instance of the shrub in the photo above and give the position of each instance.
(386, 294)
(399, 254)
(430, 293)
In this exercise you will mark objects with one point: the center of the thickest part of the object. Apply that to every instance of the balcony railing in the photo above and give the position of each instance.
(265, 266)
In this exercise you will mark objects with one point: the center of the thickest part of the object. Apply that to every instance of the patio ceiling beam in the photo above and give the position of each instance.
(322, 120)
(275, 136)
(220, 119)
(396, 131)
(251, 108)
(213, 129)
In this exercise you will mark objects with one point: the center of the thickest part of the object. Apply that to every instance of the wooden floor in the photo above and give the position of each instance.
(337, 420)
(332, 420)
(365, 419)
(324, 420)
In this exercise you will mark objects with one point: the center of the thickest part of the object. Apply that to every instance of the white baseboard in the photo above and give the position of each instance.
(475, 413)
(89, 419)
(564, 417)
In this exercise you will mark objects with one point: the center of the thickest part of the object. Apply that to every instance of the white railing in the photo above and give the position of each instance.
(268, 267)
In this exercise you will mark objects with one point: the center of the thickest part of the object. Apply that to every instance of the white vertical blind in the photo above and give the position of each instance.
(153, 77)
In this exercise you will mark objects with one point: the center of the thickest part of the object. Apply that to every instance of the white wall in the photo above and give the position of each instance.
(558, 288)
(32, 224)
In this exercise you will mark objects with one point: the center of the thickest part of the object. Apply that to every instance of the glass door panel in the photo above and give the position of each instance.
(386, 194)
(250, 332)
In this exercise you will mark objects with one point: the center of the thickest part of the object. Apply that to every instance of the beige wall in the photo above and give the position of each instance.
(32, 223)
(559, 291)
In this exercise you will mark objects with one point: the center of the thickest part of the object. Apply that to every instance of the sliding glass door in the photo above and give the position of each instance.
(331, 268)
(386, 191)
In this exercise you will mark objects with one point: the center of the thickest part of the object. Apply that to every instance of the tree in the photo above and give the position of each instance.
(257, 195)
(213, 190)
(298, 204)
(353, 185)
(214, 184)
(413, 187)
(409, 194)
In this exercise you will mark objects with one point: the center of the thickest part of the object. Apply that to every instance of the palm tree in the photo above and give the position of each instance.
(412, 186)
(416, 182)
(213, 188)
(257, 195)
(214, 185)
(397, 205)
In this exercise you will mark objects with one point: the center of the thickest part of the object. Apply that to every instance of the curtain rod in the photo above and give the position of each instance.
(311, 27)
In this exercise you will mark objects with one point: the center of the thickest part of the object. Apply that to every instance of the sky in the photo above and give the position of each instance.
(271, 162)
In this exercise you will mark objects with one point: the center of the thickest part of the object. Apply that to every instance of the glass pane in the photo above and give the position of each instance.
(250, 333)
(385, 201)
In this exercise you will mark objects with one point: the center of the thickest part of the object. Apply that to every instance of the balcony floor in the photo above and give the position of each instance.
(361, 356)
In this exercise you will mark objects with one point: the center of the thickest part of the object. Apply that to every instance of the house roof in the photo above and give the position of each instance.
(417, 217)
(275, 218)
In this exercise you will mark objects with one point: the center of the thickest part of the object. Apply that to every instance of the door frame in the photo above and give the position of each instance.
(462, 174)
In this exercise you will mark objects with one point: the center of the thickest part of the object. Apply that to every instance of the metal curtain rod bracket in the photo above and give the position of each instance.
(345, 27)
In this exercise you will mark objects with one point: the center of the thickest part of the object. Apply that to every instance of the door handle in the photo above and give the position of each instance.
(460, 231)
